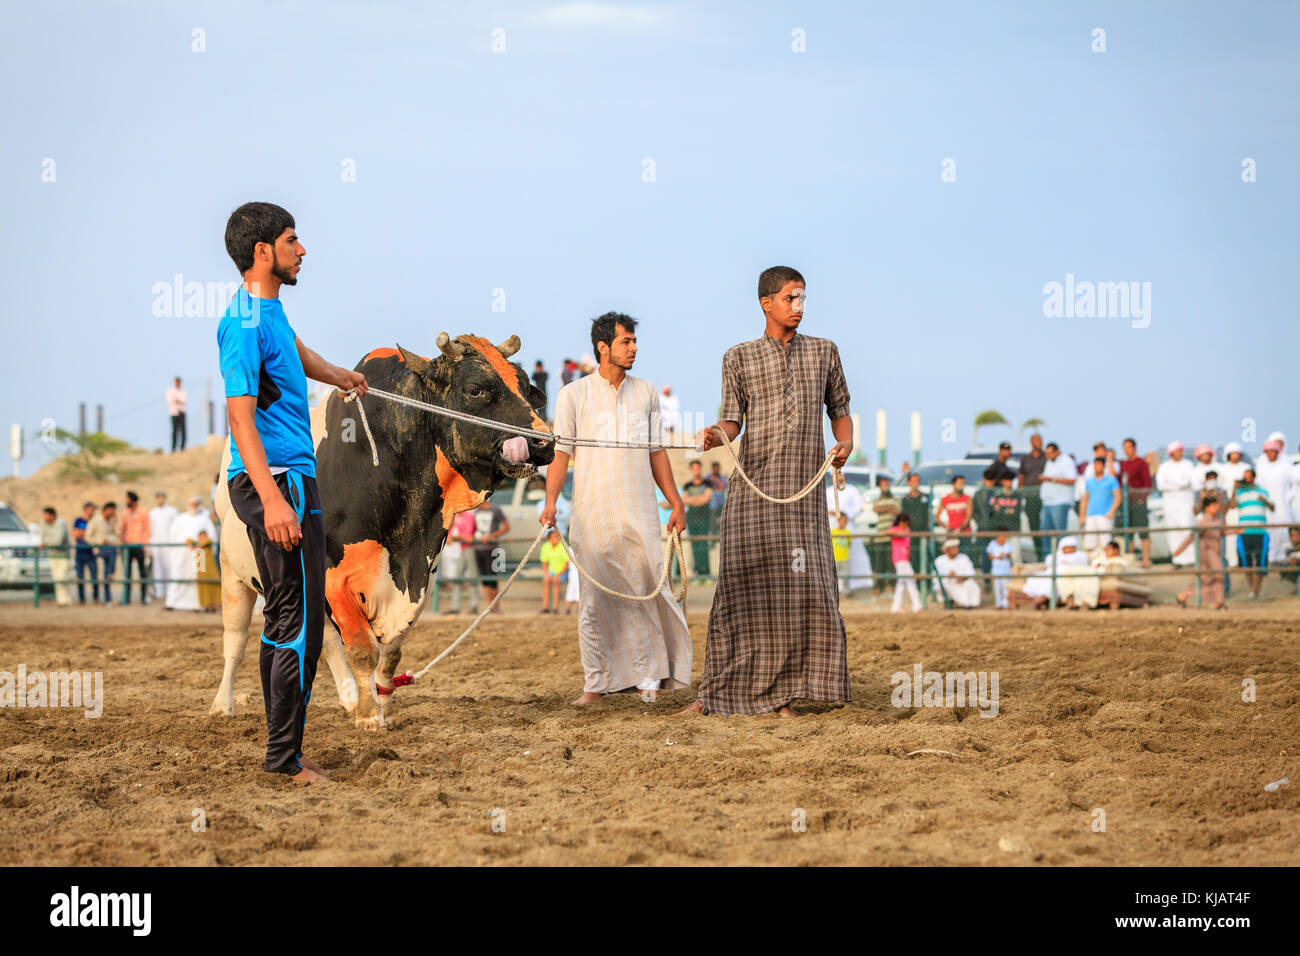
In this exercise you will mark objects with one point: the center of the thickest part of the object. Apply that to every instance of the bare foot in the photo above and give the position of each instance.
(692, 708)
(786, 712)
(313, 766)
(586, 699)
(306, 776)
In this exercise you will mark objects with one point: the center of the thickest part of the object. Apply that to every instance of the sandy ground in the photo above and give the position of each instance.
(1134, 713)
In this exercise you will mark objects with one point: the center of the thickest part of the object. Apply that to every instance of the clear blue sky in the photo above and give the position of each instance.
(522, 171)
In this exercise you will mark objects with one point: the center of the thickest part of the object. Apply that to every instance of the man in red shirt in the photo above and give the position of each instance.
(955, 511)
(1135, 471)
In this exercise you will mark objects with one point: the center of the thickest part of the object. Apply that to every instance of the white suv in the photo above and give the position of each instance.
(18, 542)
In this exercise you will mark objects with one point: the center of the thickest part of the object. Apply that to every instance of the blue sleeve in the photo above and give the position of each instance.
(240, 356)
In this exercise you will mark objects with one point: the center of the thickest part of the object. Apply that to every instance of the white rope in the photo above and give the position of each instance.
(672, 543)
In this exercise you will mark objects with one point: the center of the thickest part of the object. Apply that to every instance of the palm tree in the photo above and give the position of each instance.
(1028, 424)
(989, 416)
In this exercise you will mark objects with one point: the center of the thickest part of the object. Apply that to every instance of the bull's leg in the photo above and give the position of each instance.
(344, 682)
(390, 655)
(237, 600)
(362, 658)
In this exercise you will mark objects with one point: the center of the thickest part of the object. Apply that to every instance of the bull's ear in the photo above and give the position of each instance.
(453, 350)
(420, 366)
(509, 347)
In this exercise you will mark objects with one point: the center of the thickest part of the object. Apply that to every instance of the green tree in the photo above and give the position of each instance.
(989, 416)
(85, 456)
(1029, 423)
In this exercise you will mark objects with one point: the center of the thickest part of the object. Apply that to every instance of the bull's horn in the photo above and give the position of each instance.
(453, 350)
(509, 347)
(417, 364)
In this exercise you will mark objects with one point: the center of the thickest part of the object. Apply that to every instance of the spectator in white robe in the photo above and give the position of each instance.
(956, 575)
(1204, 456)
(1067, 556)
(670, 410)
(183, 594)
(1174, 482)
(1230, 473)
(1273, 474)
(859, 569)
(160, 532)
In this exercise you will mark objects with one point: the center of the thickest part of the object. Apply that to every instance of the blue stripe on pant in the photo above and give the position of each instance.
(293, 584)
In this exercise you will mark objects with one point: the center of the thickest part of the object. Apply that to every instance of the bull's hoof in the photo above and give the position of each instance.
(220, 709)
(348, 698)
(373, 724)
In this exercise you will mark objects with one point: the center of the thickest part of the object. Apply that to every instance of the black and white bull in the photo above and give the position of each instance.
(385, 526)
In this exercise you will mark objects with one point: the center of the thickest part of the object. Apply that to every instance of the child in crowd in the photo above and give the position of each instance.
(900, 534)
(555, 564)
(841, 541)
(999, 551)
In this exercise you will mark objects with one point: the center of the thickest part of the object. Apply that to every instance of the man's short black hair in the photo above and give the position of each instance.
(51, 511)
(251, 223)
(1052, 444)
(773, 280)
(991, 474)
(957, 478)
(109, 504)
(603, 328)
(1133, 440)
(1099, 459)
(132, 497)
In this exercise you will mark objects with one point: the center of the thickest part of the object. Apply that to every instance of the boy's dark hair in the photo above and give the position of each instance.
(957, 478)
(1248, 471)
(1099, 459)
(991, 473)
(603, 329)
(109, 504)
(1052, 444)
(773, 280)
(251, 223)
(51, 511)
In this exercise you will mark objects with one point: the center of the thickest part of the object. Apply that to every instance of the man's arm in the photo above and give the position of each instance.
(281, 522)
(556, 472)
(320, 370)
(1083, 503)
(842, 429)
(1114, 504)
(663, 474)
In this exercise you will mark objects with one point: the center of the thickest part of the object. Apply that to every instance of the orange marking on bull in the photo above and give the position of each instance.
(457, 495)
(383, 353)
(509, 374)
(345, 582)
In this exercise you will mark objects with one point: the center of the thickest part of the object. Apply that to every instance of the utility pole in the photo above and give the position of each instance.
(81, 428)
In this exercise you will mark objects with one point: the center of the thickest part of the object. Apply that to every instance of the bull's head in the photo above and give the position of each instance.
(472, 375)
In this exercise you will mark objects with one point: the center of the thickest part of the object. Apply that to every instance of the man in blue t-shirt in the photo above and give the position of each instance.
(1098, 504)
(272, 475)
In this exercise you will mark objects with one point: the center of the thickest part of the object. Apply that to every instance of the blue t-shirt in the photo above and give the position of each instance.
(259, 356)
(1001, 557)
(1101, 493)
(83, 524)
(1252, 508)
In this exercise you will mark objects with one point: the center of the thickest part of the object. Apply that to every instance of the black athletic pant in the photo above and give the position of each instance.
(293, 583)
(134, 559)
(178, 432)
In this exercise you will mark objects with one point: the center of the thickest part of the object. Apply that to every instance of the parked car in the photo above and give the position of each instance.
(521, 502)
(18, 542)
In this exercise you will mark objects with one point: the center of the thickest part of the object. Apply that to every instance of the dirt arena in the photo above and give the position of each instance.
(1138, 714)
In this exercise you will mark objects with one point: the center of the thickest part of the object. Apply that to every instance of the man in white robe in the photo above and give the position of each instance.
(1174, 482)
(1230, 473)
(1204, 456)
(160, 532)
(1273, 474)
(614, 526)
(183, 594)
(957, 575)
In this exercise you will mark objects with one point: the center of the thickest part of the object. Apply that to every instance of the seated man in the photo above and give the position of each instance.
(957, 575)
